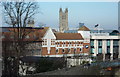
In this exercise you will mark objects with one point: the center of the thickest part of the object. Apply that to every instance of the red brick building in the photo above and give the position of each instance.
(45, 42)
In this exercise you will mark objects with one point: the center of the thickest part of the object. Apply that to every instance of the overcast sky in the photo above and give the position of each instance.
(90, 13)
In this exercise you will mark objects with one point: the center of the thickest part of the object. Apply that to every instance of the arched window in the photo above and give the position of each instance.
(74, 49)
(80, 49)
(63, 50)
(68, 50)
(57, 51)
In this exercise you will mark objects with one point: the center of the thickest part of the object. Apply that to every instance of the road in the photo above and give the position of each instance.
(80, 70)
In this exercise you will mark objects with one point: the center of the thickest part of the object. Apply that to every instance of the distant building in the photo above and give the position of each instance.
(63, 20)
(33, 41)
(81, 24)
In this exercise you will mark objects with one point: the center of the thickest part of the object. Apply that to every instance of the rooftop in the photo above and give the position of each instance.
(84, 28)
(68, 36)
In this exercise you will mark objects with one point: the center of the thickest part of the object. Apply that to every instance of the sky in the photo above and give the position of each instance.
(103, 13)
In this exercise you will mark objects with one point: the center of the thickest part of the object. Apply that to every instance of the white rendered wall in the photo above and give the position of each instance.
(111, 49)
(119, 49)
(104, 37)
(85, 35)
(104, 48)
(49, 35)
(96, 47)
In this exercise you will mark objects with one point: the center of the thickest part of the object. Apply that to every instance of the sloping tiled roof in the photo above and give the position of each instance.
(68, 36)
(84, 28)
(35, 34)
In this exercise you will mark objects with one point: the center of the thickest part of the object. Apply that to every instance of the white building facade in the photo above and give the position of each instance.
(106, 44)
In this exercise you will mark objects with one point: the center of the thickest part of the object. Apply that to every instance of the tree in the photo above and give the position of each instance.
(18, 15)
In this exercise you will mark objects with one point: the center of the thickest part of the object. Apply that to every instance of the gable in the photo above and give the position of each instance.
(49, 34)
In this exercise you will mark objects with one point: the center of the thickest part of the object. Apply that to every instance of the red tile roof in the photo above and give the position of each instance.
(68, 36)
(34, 34)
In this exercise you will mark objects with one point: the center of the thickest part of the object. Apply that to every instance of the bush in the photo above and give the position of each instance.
(43, 65)
(85, 62)
(46, 64)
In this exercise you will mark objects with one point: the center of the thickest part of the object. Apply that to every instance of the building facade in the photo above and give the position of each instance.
(63, 44)
(63, 20)
(105, 44)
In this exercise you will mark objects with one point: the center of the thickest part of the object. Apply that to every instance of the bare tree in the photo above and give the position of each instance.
(18, 15)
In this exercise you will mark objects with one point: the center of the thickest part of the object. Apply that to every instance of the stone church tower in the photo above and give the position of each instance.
(63, 20)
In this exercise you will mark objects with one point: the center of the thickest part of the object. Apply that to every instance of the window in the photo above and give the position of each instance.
(99, 42)
(108, 49)
(92, 50)
(44, 42)
(92, 42)
(63, 43)
(108, 42)
(99, 50)
(68, 50)
(80, 49)
(115, 43)
(115, 49)
(56, 50)
(63, 50)
(52, 42)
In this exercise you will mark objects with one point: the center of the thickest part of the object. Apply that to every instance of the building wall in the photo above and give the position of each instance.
(58, 48)
(65, 47)
(86, 48)
(48, 40)
(44, 51)
(105, 45)
(86, 44)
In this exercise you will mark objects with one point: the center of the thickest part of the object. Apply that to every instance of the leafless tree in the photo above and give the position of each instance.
(18, 15)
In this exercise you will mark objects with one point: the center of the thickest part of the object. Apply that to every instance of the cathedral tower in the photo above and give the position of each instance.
(63, 20)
